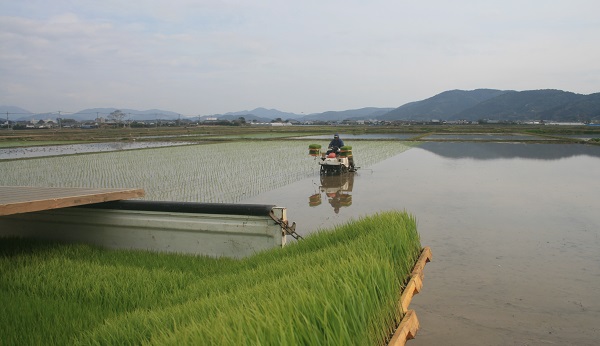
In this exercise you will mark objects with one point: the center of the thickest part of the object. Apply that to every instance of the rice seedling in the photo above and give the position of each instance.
(223, 172)
(16, 143)
(338, 286)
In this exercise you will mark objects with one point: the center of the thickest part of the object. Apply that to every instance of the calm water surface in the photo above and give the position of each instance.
(486, 137)
(347, 137)
(514, 230)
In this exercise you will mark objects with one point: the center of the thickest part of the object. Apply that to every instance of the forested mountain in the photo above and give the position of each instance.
(471, 105)
(488, 104)
(586, 108)
(442, 106)
(522, 105)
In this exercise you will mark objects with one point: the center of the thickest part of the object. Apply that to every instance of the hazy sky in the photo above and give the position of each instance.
(200, 57)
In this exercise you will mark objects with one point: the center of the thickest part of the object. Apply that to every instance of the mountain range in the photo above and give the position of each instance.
(470, 105)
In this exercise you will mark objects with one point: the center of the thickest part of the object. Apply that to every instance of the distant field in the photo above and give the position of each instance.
(52, 136)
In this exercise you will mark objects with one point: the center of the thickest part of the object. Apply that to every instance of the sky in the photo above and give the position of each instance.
(203, 57)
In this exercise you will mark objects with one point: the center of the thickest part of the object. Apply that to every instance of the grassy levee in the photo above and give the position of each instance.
(335, 287)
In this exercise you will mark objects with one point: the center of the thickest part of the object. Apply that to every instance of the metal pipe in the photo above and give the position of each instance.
(186, 207)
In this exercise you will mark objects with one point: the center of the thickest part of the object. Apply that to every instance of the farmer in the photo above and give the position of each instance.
(336, 142)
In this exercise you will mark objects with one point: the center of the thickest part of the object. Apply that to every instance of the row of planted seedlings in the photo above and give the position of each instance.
(224, 172)
(338, 287)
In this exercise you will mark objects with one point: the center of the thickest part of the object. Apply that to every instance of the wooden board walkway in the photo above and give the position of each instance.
(25, 199)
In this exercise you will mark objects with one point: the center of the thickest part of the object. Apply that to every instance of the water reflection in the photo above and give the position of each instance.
(491, 151)
(336, 189)
(487, 137)
(374, 136)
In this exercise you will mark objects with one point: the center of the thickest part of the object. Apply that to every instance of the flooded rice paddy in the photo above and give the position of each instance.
(71, 149)
(513, 227)
(514, 230)
(218, 173)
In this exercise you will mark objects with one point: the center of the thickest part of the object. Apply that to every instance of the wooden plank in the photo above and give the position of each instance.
(413, 287)
(25, 199)
(407, 330)
(410, 325)
(415, 283)
(420, 265)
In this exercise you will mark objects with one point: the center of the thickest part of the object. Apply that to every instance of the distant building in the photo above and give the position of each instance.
(564, 124)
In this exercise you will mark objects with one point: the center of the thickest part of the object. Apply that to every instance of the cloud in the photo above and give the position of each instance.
(203, 57)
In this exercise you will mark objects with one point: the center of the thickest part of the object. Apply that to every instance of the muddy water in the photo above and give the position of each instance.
(514, 230)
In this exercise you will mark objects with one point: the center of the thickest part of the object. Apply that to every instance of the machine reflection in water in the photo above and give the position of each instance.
(336, 189)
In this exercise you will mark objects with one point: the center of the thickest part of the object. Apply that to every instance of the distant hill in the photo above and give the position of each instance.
(442, 106)
(93, 113)
(521, 105)
(247, 117)
(501, 105)
(132, 114)
(13, 112)
(362, 113)
(266, 115)
(261, 113)
(472, 105)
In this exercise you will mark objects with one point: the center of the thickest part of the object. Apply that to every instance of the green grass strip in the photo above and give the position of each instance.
(335, 287)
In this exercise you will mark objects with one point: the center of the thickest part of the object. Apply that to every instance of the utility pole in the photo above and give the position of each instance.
(7, 122)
